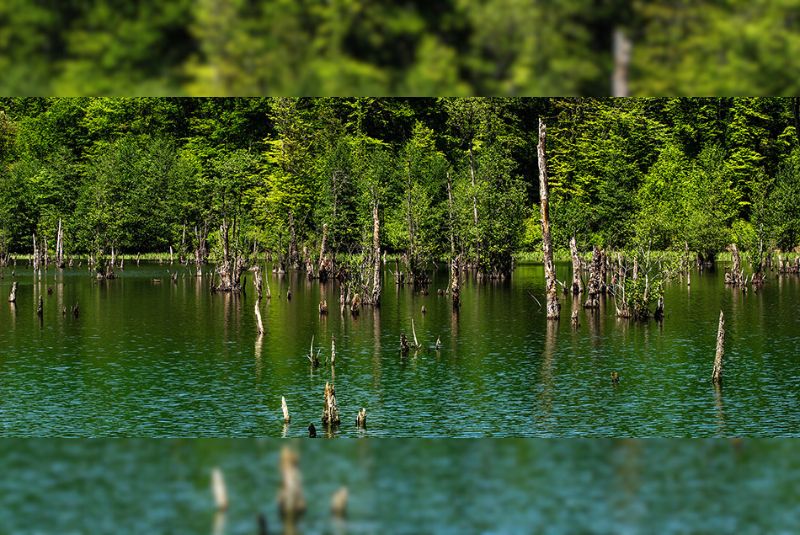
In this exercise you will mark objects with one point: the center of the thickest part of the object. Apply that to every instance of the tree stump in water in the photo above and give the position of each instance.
(361, 418)
(291, 502)
(259, 325)
(40, 308)
(593, 289)
(716, 373)
(735, 277)
(455, 283)
(403, 345)
(323, 307)
(285, 408)
(577, 283)
(330, 412)
(12, 298)
(257, 281)
(218, 490)
(659, 313)
(339, 503)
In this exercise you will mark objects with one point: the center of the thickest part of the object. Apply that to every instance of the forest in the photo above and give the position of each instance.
(428, 179)
(354, 47)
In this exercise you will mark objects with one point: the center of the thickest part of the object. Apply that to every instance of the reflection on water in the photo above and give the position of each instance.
(164, 359)
(406, 486)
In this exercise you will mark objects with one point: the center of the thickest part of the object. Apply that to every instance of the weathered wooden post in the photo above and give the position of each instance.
(12, 298)
(218, 490)
(553, 306)
(291, 502)
(716, 374)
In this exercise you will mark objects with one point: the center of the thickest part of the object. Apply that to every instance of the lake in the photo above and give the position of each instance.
(404, 486)
(164, 359)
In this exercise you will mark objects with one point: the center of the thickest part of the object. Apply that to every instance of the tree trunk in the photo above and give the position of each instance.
(12, 298)
(716, 374)
(474, 204)
(450, 217)
(455, 282)
(293, 253)
(577, 283)
(324, 263)
(553, 306)
(376, 256)
(622, 59)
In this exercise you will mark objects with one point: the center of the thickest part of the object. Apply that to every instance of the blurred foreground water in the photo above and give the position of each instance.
(404, 486)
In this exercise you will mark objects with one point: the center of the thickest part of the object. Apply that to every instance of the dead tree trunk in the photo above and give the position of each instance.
(577, 283)
(293, 253)
(232, 265)
(716, 374)
(291, 502)
(451, 217)
(35, 254)
(553, 306)
(593, 289)
(455, 282)
(60, 246)
(735, 277)
(12, 298)
(375, 298)
(475, 203)
(325, 266)
(257, 281)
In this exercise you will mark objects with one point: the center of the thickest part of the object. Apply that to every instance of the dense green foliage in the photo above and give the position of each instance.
(355, 47)
(450, 176)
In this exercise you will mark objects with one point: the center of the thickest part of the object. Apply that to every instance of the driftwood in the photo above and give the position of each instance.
(716, 373)
(312, 358)
(291, 502)
(553, 306)
(330, 412)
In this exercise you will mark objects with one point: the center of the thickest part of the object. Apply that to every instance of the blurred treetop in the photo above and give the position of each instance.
(355, 47)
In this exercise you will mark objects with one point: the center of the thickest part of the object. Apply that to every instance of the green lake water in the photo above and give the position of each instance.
(148, 359)
(404, 486)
